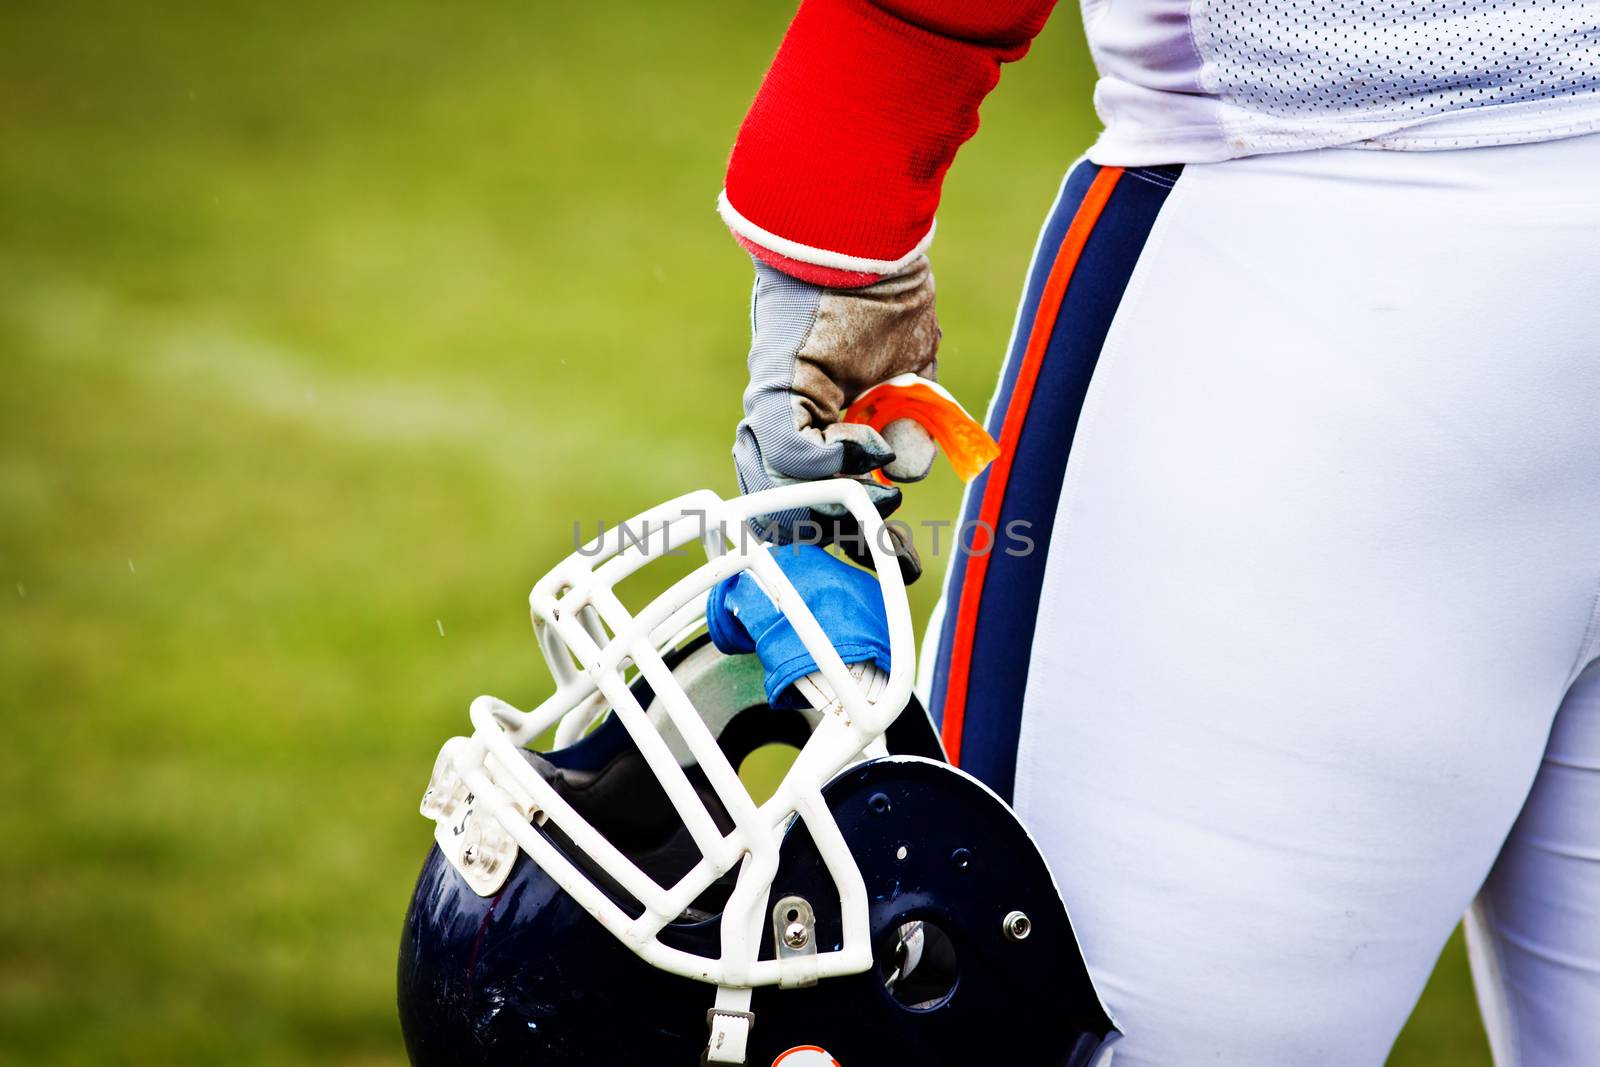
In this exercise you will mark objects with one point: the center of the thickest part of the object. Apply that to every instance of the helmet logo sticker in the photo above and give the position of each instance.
(805, 1056)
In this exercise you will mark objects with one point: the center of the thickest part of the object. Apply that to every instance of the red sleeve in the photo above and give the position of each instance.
(836, 173)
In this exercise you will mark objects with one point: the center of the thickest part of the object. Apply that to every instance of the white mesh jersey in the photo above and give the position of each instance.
(1193, 81)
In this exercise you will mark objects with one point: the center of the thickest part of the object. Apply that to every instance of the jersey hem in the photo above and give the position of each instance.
(1240, 136)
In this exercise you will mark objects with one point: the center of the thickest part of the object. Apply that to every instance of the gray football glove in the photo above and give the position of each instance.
(813, 352)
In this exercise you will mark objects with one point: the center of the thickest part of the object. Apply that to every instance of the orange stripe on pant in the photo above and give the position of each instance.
(994, 493)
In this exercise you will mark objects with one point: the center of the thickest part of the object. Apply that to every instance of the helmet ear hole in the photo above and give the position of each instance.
(763, 768)
(919, 967)
(762, 727)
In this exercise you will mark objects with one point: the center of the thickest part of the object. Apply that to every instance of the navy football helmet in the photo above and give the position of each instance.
(622, 900)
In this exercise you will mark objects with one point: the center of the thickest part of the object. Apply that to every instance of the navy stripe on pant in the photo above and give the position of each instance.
(1003, 631)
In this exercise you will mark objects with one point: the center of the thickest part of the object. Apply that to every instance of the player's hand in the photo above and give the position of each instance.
(813, 352)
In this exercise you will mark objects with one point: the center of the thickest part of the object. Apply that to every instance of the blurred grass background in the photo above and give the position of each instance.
(320, 326)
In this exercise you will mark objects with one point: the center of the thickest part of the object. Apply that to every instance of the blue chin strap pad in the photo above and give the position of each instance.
(847, 603)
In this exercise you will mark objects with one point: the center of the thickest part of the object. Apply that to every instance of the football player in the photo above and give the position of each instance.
(1303, 407)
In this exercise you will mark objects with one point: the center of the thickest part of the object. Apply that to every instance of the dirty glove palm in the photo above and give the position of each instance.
(814, 351)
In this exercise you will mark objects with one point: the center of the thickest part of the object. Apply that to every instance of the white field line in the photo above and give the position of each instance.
(214, 361)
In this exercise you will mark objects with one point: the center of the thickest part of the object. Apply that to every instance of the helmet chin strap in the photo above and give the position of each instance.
(731, 1022)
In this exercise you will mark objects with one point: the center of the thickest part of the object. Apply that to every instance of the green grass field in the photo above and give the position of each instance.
(320, 325)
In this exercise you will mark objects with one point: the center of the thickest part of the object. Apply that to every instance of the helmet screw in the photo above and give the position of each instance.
(794, 934)
(878, 803)
(961, 858)
(1016, 926)
(468, 856)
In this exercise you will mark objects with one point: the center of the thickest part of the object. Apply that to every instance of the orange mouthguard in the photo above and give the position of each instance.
(962, 438)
